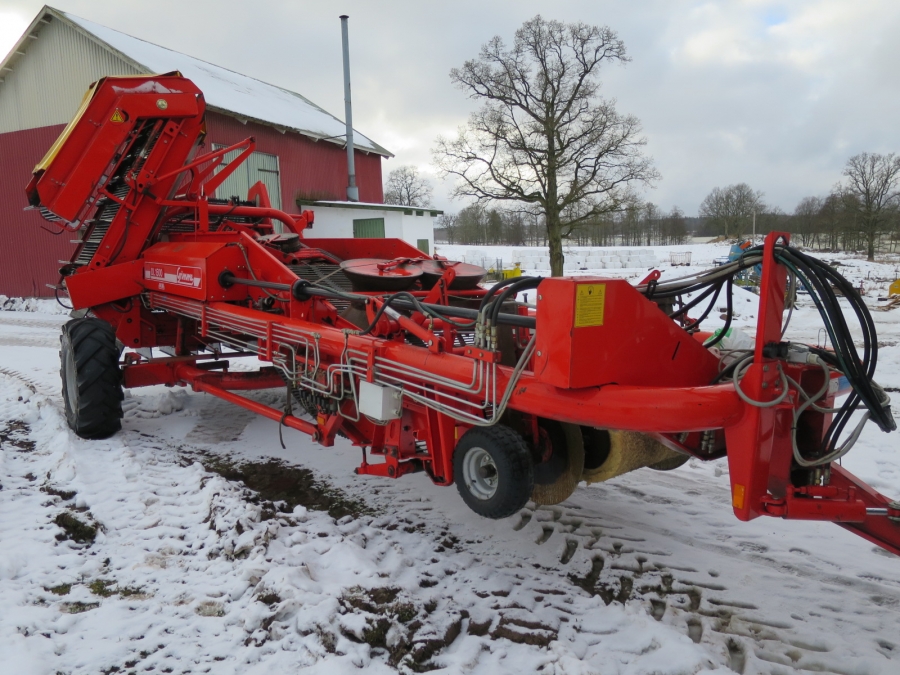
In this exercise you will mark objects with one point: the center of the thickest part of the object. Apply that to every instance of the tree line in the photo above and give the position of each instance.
(637, 224)
(860, 213)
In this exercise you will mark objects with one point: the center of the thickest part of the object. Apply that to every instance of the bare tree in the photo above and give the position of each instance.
(730, 209)
(807, 220)
(448, 222)
(832, 219)
(406, 187)
(543, 135)
(873, 180)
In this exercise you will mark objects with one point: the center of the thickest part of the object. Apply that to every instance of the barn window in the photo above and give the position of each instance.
(368, 228)
(259, 166)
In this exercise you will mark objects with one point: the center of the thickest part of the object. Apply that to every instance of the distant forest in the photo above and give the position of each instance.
(834, 222)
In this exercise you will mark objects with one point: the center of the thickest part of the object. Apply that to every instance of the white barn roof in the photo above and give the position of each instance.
(226, 91)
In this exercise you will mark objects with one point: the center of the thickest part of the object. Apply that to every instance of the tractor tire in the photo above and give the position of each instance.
(91, 378)
(556, 479)
(493, 471)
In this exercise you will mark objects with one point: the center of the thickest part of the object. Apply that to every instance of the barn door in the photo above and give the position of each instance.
(259, 166)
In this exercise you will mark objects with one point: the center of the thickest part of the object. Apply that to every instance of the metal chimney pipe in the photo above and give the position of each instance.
(352, 190)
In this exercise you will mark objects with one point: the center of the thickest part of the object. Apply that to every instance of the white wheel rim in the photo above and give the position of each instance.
(480, 473)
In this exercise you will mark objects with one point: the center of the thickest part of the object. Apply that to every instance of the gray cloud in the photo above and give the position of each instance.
(775, 94)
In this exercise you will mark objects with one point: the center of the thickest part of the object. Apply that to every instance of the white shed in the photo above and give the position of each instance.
(358, 219)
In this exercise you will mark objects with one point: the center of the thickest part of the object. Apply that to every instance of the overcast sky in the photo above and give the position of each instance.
(774, 94)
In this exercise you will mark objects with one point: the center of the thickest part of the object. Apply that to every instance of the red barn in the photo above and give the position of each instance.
(300, 151)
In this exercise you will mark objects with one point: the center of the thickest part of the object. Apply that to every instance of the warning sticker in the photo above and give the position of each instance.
(589, 304)
(117, 117)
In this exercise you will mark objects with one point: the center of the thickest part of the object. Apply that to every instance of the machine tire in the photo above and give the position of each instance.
(493, 471)
(670, 463)
(556, 479)
(91, 378)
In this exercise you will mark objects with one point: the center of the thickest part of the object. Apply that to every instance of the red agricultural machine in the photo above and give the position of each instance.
(414, 361)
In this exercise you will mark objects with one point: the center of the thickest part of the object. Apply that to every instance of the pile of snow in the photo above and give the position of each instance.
(42, 305)
(130, 556)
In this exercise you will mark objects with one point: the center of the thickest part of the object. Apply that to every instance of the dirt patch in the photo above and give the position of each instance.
(409, 633)
(292, 486)
(15, 434)
(65, 495)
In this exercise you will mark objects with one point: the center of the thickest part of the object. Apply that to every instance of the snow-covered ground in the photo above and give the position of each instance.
(146, 553)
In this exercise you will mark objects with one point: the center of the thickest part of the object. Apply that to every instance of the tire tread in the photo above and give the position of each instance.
(97, 411)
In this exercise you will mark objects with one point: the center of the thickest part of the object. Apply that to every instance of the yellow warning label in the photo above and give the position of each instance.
(590, 300)
(117, 117)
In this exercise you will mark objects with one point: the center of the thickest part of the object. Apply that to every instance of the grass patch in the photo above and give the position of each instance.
(79, 607)
(75, 529)
(210, 608)
(102, 587)
(62, 589)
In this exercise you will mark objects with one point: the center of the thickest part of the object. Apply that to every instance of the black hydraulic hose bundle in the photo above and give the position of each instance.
(821, 281)
(303, 290)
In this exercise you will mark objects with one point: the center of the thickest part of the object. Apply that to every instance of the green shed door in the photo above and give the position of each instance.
(258, 166)
(368, 228)
(422, 245)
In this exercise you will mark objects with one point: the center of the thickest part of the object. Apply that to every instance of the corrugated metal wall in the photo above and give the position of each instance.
(47, 84)
(314, 170)
(28, 254)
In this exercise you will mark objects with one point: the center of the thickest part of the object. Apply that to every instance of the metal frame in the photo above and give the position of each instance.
(631, 369)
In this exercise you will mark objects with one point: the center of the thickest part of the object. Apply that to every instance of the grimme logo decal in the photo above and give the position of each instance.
(163, 273)
(185, 275)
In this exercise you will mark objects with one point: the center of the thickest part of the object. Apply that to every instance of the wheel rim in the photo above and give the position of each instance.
(71, 379)
(480, 473)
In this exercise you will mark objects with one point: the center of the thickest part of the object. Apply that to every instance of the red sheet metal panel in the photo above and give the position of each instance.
(29, 255)
(314, 170)
(593, 331)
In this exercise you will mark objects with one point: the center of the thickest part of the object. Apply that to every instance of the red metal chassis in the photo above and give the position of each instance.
(619, 363)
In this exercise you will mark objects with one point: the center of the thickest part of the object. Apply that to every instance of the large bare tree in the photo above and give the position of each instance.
(873, 186)
(406, 187)
(730, 210)
(543, 135)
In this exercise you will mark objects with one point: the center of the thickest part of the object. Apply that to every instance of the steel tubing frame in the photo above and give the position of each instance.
(644, 409)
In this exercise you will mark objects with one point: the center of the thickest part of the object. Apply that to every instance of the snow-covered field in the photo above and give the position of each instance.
(147, 553)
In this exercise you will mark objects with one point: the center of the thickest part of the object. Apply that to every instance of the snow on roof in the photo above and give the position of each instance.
(229, 91)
